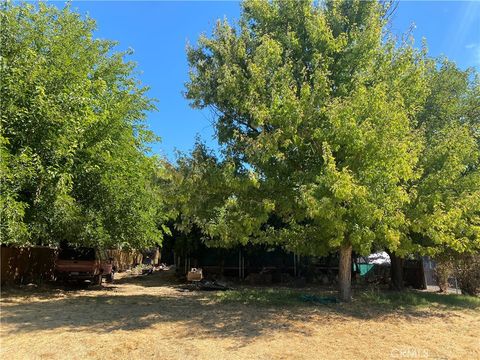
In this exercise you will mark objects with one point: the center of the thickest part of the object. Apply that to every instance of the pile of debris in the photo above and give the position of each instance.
(204, 285)
(197, 282)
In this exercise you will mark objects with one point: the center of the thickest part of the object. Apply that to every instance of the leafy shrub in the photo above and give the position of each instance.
(444, 269)
(467, 269)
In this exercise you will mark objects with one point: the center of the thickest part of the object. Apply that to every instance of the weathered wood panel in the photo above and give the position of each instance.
(125, 259)
(22, 265)
(27, 264)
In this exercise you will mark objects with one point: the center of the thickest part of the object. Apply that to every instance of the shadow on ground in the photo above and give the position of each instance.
(231, 314)
(109, 313)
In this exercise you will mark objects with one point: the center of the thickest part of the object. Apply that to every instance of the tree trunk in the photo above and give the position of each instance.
(396, 272)
(345, 273)
(156, 257)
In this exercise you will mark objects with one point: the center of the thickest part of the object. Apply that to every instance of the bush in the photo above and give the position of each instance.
(467, 269)
(444, 269)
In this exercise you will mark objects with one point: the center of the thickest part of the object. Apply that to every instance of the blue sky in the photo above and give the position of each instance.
(158, 32)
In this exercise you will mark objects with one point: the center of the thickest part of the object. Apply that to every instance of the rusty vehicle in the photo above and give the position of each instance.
(84, 264)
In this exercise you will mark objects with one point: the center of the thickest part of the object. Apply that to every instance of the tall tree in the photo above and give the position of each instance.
(316, 107)
(444, 212)
(444, 208)
(73, 137)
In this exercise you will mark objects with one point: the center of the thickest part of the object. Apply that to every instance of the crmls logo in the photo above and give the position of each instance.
(409, 353)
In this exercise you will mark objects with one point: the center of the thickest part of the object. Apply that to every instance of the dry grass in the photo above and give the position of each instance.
(147, 317)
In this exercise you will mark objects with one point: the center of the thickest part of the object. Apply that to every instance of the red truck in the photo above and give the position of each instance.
(81, 264)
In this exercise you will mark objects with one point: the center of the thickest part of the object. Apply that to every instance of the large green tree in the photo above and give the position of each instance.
(444, 210)
(316, 107)
(446, 206)
(73, 136)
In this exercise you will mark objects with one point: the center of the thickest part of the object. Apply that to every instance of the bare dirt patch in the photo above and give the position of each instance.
(148, 317)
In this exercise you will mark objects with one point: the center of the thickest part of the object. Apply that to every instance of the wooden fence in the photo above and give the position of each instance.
(36, 264)
(28, 264)
(123, 259)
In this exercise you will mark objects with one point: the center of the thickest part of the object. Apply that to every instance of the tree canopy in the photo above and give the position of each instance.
(444, 211)
(73, 136)
(330, 119)
(334, 135)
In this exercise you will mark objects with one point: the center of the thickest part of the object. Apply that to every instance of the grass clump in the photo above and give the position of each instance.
(270, 296)
(386, 300)
(413, 299)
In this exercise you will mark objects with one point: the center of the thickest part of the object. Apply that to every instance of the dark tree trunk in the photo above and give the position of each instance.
(345, 273)
(396, 272)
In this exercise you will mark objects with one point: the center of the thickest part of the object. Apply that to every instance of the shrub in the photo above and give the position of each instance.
(444, 269)
(467, 269)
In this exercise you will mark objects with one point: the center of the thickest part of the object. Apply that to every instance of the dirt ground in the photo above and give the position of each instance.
(149, 318)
